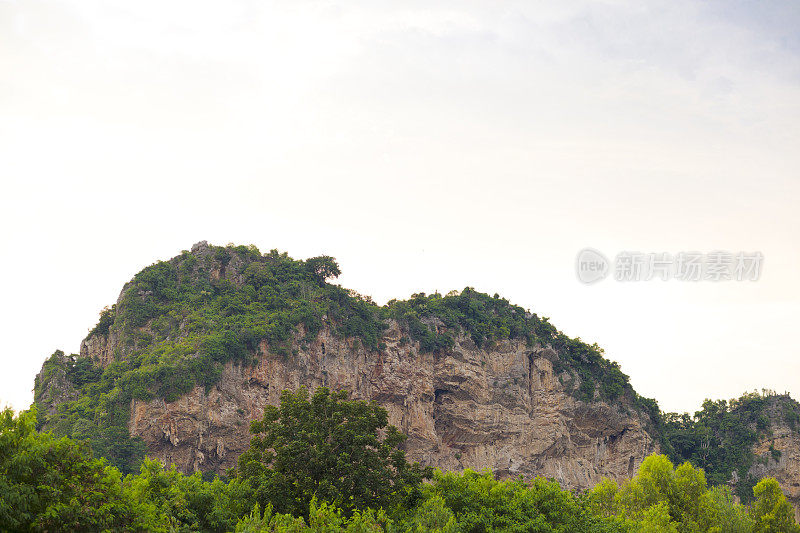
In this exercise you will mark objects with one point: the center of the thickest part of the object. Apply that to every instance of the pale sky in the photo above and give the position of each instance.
(425, 145)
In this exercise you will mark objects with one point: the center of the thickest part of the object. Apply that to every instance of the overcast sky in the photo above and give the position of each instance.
(427, 146)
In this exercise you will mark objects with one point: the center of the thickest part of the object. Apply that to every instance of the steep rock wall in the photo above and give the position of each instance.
(778, 456)
(503, 409)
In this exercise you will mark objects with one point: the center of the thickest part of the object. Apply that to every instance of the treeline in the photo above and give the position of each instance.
(323, 463)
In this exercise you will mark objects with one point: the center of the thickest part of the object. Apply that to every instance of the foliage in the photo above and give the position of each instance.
(483, 318)
(720, 437)
(791, 415)
(659, 497)
(188, 503)
(434, 320)
(433, 515)
(323, 517)
(732, 517)
(770, 510)
(53, 484)
(664, 498)
(100, 414)
(107, 317)
(189, 316)
(479, 502)
(330, 448)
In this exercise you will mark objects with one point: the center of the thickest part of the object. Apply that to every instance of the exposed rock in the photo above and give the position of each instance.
(99, 347)
(501, 409)
(52, 386)
(778, 454)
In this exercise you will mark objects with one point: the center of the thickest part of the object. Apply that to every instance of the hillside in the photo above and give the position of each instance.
(196, 346)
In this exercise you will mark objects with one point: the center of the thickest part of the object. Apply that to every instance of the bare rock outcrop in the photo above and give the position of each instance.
(778, 453)
(503, 409)
(52, 387)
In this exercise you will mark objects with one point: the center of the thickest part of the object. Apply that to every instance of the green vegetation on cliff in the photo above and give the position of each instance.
(187, 316)
(720, 437)
(86, 404)
(487, 319)
(179, 321)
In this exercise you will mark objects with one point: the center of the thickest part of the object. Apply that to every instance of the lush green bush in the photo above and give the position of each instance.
(100, 414)
(107, 317)
(791, 415)
(659, 494)
(770, 511)
(188, 503)
(483, 318)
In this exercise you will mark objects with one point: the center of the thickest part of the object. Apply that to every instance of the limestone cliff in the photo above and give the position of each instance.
(195, 347)
(502, 409)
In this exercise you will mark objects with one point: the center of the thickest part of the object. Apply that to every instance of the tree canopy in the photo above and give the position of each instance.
(330, 448)
(347, 476)
(53, 484)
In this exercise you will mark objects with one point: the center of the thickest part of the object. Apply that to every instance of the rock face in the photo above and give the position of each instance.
(99, 347)
(778, 454)
(503, 408)
(52, 386)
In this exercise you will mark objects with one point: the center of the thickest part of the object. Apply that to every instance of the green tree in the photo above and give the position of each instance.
(188, 503)
(482, 503)
(720, 437)
(656, 519)
(323, 518)
(323, 268)
(433, 516)
(770, 510)
(732, 517)
(330, 448)
(658, 488)
(53, 484)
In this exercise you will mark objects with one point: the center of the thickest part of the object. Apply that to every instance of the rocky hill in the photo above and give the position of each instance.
(196, 346)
